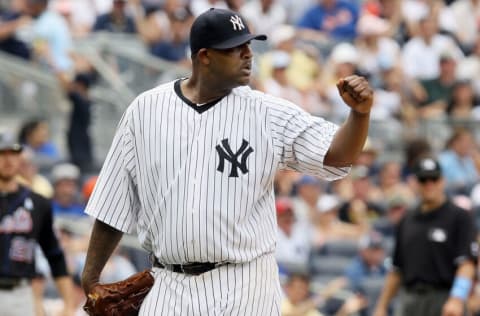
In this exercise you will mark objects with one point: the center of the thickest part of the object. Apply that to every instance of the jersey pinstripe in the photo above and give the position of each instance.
(198, 187)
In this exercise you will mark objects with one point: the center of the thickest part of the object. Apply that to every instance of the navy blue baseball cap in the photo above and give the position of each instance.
(427, 167)
(220, 29)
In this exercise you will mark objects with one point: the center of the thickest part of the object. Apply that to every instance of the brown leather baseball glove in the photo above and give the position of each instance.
(122, 298)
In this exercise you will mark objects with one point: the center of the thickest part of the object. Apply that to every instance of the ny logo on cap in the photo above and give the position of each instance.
(237, 23)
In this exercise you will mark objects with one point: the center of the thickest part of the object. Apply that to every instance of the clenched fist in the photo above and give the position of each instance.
(356, 93)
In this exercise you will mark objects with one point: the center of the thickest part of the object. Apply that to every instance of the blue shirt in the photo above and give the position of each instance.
(459, 172)
(339, 22)
(105, 22)
(72, 210)
(52, 28)
(358, 271)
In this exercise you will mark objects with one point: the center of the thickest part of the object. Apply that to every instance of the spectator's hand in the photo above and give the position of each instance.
(353, 305)
(23, 20)
(333, 287)
(453, 307)
(356, 93)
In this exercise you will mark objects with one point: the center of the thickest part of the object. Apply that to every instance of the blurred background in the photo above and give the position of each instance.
(69, 68)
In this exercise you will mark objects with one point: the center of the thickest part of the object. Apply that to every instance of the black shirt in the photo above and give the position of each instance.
(25, 220)
(430, 246)
(11, 44)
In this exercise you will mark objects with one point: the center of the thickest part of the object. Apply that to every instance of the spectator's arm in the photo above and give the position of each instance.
(143, 24)
(330, 289)
(8, 28)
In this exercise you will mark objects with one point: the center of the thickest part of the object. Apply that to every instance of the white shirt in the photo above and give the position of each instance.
(263, 22)
(165, 176)
(416, 52)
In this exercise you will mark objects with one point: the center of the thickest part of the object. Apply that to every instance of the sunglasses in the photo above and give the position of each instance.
(428, 179)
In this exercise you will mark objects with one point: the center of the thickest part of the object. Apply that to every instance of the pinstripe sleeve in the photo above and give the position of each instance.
(302, 140)
(114, 200)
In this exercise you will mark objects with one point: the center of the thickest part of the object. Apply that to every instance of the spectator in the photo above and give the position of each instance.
(78, 136)
(308, 189)
(459, 162)
(264, 16)
(414, 149)
(376, 51)
(369, 263)
(65, 179)
(35, 134)
(294, 239)
(438, 90)
(199, 6)
(303, 69)
(278, 84)
(11, 22)
(391, 184)
(469, 67)
(396, 208)
(116, 21)
(29, 176)
(343, 62)
(331, 20)
(362, 208)
(300, 301)
(462, 105)
(174, 48)
(50, 36)
(327, 227)
(284, 182)
(426, 49)
(465, 16)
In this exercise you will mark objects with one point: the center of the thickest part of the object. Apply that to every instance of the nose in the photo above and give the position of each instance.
(247, 51)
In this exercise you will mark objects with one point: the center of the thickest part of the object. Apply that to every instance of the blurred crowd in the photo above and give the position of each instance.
(334, 239)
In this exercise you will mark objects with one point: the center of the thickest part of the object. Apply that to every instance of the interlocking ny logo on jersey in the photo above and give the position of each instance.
(237, 23)
(226, 153)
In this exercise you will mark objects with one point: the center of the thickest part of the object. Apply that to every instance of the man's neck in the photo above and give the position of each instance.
(199, 93)
(8, 186)
(428, 206)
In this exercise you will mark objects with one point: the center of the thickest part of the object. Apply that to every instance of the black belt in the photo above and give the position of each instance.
(11, 283)
(194, 268)
(423, 288)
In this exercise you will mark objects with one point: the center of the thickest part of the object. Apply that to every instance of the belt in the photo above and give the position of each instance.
(11, 283)
(194, 268)
(423, 288)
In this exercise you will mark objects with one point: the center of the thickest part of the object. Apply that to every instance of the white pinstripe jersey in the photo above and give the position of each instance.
(198, 187)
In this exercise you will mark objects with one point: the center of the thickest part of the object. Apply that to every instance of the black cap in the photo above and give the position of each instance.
(427, 167)
(220, 29)
(8, 143)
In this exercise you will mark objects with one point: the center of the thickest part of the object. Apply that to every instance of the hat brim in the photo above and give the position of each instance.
(239, 40)
(428, 173)
(15, 148)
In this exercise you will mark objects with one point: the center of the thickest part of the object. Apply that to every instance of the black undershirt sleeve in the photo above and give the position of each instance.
(50, 246)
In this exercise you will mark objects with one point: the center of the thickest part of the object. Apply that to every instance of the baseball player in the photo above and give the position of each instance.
(191, 170)
(25, 220)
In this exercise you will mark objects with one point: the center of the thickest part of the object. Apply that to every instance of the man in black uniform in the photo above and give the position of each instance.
(435, 252)
(25, 220)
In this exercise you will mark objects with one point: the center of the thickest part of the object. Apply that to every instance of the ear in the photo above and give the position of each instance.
(203, 56)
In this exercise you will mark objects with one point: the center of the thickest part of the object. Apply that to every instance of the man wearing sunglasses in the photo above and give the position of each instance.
(435, 252)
